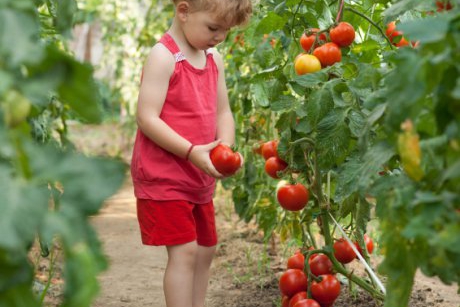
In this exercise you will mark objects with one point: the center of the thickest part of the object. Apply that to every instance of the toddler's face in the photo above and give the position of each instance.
(203, 30)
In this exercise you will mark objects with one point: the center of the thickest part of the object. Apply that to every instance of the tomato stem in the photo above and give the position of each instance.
(339, 13)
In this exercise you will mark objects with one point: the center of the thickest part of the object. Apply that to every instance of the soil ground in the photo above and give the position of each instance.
(245, 271)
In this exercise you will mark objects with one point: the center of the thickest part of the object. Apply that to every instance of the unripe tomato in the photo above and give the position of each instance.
(306, 63)
(296, 261)
(308, 39)
(293, 281)
(326, 291)
(369, 245)
(320, 265)
(297, 297)
(343, 35)
(273, 165)
(269, 149)
(328, 54)
(307, 303)
(293, 197)
(343, 251)
(16, 108)
(225, 160)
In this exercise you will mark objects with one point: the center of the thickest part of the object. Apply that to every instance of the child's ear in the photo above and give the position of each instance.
(182, 10)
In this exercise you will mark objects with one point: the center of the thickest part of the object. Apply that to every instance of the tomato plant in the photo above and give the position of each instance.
(293, 197)
(273, 165)
(225, 160)
(311, 39)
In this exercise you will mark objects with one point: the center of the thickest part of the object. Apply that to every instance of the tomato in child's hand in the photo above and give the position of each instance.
(225, 160)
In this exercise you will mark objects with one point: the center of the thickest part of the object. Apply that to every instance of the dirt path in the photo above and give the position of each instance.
(134, 278)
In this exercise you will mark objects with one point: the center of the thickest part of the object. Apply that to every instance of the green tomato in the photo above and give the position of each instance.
(16, 108)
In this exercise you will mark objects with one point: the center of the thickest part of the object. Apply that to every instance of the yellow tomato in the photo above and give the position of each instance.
(306, 63)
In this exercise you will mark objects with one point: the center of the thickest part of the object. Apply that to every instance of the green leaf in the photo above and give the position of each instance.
(426, 30)
(311, 80)
(318, 104)
(270, 23)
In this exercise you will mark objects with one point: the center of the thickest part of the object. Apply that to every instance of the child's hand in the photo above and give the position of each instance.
(199, 156)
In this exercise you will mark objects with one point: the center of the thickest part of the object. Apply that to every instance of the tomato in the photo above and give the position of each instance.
(326, 291)
(296, 261)
(269, 149)
(328, 54)
(307, 303)
(273, 165)
(308, 39)
(343, 251)
(293, 281)
(343, 35)
(320, 265)
(293, 197)
(306, 63)
(395, 36)
(443, 5)
(297, 297)
(369, 245)
(225, 160)
(16, 108)
(285, 301)
(257, 148)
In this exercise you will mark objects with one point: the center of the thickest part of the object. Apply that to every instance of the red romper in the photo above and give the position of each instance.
(190, 109)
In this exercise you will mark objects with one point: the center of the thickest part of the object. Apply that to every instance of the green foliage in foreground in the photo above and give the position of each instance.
(48, 190)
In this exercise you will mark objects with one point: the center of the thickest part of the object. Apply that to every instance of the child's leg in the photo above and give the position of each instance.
(201, 274)
(179, 275)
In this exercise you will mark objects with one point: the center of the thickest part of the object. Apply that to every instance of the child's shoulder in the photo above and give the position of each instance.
(161, 57)
(217, 56)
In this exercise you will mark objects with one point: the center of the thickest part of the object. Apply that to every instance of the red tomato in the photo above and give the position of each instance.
(273, 165)
(269, 149)
(293, 197)
(343, 35)
(443, 5)
(307, 303)
(320, 265)
(369, 245)
(328, 54)
(225, 160)
(297, 297)
(343, 251)
(293, 281)
(308, 39)
(395, 36)
(296, 261)
(285, 301)
(326, 291)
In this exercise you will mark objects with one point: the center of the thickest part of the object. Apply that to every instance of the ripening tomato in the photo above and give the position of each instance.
(307, 303)
(369, 245)
(297, 297)
(320, 265)
(326, 291)
(269, 149)
(296, 261)
(293, 281)
(306, 63)
(308, 39)
(225, 160)
(343, 34)
(343, 251)
(273, 165)
(443, 5)
(395, 36)
(328, 54)
(293, 197)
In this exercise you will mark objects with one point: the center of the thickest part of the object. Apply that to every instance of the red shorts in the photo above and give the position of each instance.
(176, 222)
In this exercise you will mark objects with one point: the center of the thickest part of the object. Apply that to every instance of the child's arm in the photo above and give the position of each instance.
(225, 120)
(152, 94)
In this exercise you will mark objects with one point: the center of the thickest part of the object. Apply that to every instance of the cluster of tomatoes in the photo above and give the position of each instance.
(321, 51)
(291, 196)
(324, 287)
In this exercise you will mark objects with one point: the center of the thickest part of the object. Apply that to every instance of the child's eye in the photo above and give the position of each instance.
(212, 29)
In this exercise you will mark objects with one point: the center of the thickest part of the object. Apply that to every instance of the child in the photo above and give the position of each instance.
(183, 112)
